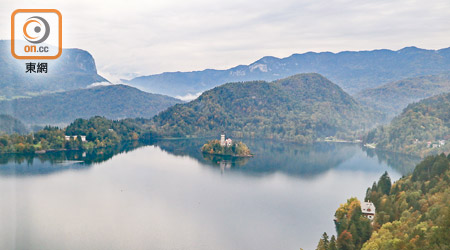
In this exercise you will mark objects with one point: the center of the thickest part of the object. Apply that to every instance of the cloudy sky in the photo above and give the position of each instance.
(147, 37)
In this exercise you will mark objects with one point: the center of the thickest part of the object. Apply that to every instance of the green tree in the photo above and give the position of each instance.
(332, 245)
(323, 242)
(384, 184)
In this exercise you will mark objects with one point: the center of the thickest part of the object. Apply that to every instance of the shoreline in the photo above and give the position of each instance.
(237, 156)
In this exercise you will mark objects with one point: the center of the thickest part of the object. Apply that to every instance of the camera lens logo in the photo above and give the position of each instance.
(36, 29)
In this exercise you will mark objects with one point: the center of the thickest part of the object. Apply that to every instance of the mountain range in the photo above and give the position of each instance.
(73, 70)
(352, 71)
(301, 108)
(112, 101)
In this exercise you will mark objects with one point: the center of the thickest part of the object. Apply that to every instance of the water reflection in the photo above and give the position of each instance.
(289, 158)
(53, 162)
(171, 196)
(304, 161)
(225, 162)
(404, 164)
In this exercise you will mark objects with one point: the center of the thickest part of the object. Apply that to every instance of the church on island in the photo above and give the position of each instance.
(226, 146)
(225, 142)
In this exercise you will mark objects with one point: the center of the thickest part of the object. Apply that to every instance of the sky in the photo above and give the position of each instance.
(130, 37)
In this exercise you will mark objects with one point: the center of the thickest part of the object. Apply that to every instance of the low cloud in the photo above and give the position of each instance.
(189, 97)
(96, 84)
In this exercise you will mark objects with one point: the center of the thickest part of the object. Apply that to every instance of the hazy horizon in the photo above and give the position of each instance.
(132, 38)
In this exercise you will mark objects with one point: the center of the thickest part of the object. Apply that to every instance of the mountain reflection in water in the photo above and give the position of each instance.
(168, 195)
(290, 158)
(270, 157)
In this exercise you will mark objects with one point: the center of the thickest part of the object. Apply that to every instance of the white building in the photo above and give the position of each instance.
(67, 137)
(228, 142)
(368, 209)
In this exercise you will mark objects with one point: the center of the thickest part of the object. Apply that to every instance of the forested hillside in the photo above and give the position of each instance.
(413, 213)
(112, 102)
(10, 125)
(393, 97)
(99, 132)
(300, 108)
(423, 128)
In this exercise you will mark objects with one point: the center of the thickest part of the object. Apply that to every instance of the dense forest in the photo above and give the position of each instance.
(300, 108)
(423, 128)
(99, 132)
(412, 213)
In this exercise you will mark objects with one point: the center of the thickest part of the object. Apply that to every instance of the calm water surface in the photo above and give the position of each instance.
(170, 196)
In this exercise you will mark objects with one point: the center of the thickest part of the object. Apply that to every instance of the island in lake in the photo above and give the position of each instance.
(226, 147)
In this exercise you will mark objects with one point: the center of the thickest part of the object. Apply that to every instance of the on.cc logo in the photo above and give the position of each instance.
(36, 29)
(36, 34)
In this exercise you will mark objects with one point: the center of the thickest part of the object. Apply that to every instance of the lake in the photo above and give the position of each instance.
(170, 196)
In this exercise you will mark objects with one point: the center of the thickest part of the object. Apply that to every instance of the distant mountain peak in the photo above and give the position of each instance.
(74, 69)
(353, 71)
(266, 59)
(411, 48)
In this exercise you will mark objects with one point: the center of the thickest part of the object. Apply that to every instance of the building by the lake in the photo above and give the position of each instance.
(225, 142)
(67, 137)
(368, 209)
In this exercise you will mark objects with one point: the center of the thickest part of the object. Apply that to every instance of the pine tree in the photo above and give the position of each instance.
(325, 240)
(332, 245)
(323, 243)
(384, 184)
